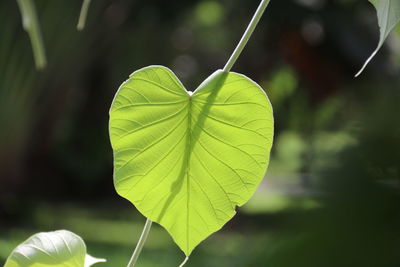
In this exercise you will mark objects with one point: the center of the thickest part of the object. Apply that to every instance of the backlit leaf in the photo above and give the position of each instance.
(388, 12)
(186, 161)
(57, 249)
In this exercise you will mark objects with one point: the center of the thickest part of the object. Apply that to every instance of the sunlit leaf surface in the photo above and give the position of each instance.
(58, 249)
(186, 161)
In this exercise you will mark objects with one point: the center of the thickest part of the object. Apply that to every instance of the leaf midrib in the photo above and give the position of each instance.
(189, 139)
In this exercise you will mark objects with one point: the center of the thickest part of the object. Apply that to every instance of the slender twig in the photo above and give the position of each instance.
(31, 26)
(247, 34)
(83, 15)
(140, 243)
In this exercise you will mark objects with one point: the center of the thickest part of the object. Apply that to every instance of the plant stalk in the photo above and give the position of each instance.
(30, 23)
(184, 261)
(83, 15)
(140, 243)
(247, 34)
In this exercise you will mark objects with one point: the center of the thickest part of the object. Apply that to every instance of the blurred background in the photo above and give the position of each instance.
(331, 196)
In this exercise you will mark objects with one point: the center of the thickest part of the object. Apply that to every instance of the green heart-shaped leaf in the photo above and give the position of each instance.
(186, 161)
(56, 249)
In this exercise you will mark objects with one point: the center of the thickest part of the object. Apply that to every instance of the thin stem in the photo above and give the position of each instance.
(140, 243)
(31, 25)
(247, 34)
(83, 15)
(184, 261)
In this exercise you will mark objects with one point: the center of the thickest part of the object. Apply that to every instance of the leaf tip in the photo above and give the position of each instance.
(90, 260)
(368, 60)
(81, 25)
(358, 73)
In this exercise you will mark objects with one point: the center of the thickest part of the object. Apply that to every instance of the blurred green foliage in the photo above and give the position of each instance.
(331, 196)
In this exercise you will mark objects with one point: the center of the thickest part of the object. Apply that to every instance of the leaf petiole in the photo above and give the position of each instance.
(31, 26)
(83, 15)
(184, 261)
(140, 243)
(247, 34)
